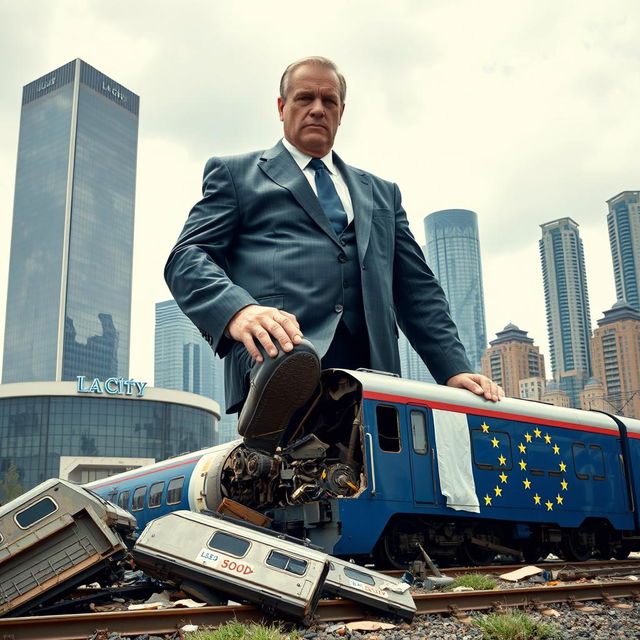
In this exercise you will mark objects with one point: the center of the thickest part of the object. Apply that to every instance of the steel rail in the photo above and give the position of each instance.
(163, 621)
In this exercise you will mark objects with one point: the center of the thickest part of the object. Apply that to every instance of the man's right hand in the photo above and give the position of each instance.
(264, 324)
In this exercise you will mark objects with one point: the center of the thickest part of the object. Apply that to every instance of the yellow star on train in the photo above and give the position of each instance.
(485, 427)
(559, 498)
(547, 438)
(556, 449)
(536, 499)
(564, 484)
(528, 437)
(498, 490)
(537, 432)
(502, 460)
(523, 465)
(563, 466)
(527, 483)
(495, 442)
(522, 448)
(503, 477)
(487, 500)
(549, 505)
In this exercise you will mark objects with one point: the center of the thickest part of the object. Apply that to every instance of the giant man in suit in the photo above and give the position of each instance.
(259, 261)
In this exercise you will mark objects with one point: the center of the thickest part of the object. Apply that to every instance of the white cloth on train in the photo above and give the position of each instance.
(453, 446)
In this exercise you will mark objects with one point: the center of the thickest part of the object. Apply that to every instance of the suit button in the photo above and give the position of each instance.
(338, 308)
(343, 242)
(342, 258)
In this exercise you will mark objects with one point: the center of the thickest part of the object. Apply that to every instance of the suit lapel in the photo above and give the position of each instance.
(280, 167)
(359, 185)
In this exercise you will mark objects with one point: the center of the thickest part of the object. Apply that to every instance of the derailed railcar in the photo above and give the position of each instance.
(53, 538)
(231, 558)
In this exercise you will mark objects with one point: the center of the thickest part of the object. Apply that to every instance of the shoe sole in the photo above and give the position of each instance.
(288, 388)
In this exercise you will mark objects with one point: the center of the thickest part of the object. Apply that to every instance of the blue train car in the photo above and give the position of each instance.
(380, 465)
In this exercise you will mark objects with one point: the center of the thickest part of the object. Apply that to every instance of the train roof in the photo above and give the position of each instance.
(387, 387)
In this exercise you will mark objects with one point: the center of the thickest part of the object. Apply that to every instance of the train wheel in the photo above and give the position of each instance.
(531, 552)
(574, 547)
(474, 555)
(622, 552)
(396, 548)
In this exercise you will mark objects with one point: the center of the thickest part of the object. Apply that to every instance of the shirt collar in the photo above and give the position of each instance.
(302, 159)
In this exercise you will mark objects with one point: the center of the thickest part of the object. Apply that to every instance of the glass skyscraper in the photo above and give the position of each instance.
(623, 221)
(453, 253)
(567, 301)
(69, 294)
(184, 361)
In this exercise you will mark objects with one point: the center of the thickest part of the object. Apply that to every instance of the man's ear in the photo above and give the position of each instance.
(280, 109)
(341, 112)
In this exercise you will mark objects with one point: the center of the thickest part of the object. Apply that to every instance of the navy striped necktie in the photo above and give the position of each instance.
(328, 196)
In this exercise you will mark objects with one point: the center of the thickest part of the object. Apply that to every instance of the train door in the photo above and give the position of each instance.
(421, 455)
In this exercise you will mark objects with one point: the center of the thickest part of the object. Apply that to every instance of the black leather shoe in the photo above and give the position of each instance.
(278, 388)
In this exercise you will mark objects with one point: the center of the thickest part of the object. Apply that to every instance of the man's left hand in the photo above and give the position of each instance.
(478, 384)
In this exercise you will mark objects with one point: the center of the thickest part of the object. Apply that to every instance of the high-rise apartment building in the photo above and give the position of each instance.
(512, 357)
(453, 252)
(566, 299)
(411, 365)
(616, 358)
(623, 221)
(69, 294)
(184, 361)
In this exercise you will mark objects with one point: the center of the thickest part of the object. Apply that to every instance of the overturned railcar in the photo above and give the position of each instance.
(227, 557)
(55, 537)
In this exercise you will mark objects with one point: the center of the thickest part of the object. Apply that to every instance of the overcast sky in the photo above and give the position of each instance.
(523, 111)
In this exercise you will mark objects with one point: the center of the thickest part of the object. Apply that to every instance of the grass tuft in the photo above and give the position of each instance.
(235, 630)
(476, 581)
(514, 625)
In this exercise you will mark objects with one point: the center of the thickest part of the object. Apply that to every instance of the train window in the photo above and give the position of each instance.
(287, 563)
(581, 462)
(229, 544)
(354, 574)
(155, 494)
(123, 499)
(388, 428)
(597, 460)
(174, 490)
(419, 432)
(137, 502)
(491, 450)
(35, 512)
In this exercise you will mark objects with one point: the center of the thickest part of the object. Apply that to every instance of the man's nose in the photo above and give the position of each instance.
(317, 108)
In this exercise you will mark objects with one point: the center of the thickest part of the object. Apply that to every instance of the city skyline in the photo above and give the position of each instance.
(72, 232)
(533, 127)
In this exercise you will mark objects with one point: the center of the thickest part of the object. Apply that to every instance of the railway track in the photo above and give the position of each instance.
(132, 623)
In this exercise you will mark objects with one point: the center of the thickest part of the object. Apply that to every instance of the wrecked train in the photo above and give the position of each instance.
(380, 465)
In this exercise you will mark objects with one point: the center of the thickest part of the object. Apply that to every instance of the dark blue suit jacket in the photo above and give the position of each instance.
(259, 235)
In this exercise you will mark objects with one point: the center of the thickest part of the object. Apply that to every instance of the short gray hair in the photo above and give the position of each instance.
(319, 60)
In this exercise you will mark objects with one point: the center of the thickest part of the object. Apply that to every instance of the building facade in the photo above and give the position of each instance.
(71, 428)
(453, 253)
(69, 293)
(512, 357)
(616, 358)
(183, 360)
(623, 222)
(566, 298)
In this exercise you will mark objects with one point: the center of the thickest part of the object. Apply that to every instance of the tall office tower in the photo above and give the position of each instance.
(184, 361)
(69, 296)
(567, 303)
(616, 358)
(411, 365)
(623, 221)
(512, 357)
(453, 252)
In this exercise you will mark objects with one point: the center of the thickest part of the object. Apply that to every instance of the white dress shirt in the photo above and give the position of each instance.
(302, 160)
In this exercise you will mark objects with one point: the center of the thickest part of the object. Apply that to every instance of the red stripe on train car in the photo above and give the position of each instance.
(388, 397)
(146, 473)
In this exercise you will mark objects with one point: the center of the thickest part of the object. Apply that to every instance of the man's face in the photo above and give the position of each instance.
(312, 111)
